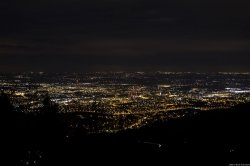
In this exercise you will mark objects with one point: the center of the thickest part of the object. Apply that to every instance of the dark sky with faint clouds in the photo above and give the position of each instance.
(137, 35)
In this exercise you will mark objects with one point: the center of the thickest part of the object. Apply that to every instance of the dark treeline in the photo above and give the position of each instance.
(218, 136)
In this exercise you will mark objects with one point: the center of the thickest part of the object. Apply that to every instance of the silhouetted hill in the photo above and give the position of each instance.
(211, 136)
(216, 136)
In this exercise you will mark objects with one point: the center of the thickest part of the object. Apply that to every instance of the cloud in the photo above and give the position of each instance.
(75, 34)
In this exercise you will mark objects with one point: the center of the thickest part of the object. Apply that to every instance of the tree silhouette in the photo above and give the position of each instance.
(9, 130)
(49, 108)
(5, 104)
(51, 127)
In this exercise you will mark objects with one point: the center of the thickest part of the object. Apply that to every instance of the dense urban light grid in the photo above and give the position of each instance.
(122, 100)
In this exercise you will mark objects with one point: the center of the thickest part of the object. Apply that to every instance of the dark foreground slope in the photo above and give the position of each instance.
(208, 137)
(213, 137)
(218, 136)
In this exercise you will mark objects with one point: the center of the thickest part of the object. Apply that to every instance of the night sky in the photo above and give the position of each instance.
(130, 35)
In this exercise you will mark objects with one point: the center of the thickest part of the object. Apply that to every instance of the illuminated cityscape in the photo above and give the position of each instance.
(114, 101)
(133, 82)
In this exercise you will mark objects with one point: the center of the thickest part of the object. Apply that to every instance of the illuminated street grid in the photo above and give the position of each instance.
(109, 102)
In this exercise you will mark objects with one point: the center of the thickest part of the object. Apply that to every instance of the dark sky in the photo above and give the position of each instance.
(137, 35)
